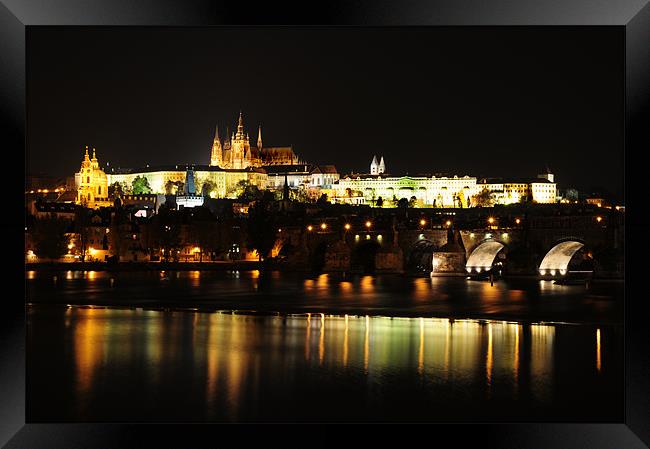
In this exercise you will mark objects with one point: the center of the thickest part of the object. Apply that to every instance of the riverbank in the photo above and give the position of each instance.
(241, 265)
(144, 266)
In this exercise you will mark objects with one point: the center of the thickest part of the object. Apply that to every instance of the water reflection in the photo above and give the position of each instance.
(353, 294)
(598, 350)
(227, 364)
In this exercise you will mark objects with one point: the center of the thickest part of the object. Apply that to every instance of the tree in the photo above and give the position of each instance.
(115, 190)
(207, 188)
(461, 199)
(245, 191)
(261, 228)
(380, 202)
(403, 203)
(413, 201)
(571, 194)
(140, 185)
(322, 200)
(50, 239)
(304, 195)
(483, 199)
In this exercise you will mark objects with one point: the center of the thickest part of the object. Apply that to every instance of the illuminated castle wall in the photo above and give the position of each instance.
(222, 182)
(438, 191)
(428, 190)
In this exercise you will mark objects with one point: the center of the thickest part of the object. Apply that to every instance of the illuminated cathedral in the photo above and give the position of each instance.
(236, 151)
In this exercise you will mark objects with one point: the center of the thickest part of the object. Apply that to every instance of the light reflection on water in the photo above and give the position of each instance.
(227, 364)
(517, 299)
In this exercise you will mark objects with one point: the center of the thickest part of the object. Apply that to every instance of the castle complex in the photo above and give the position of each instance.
(234, 160)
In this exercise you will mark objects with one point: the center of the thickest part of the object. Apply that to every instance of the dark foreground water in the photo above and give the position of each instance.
(118, 363)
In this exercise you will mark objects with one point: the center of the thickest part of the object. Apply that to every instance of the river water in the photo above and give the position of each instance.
(168, 347)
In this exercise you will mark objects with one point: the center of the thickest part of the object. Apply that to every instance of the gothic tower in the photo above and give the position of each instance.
(374, 168)
(240, 146)
(382, 166)
(259, 139)
(216, 156)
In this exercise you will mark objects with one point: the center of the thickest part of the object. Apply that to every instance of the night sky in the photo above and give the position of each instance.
(476, 101)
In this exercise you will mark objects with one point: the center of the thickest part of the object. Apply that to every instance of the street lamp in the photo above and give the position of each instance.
(347, 226)
(368, 224)
(448, 223)
(310, 227)
(517, 220)
(423, 222)
(491, 220)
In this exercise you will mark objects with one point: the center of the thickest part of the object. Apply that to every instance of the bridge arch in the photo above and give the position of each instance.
(363, 255)
(483, 256)
(420, 256)
(557, 259)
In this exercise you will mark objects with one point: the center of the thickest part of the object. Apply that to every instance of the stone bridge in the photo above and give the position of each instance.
(545, 246)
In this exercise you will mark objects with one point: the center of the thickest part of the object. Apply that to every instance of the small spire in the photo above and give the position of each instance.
(240, 125)
(259, 138)
(94, 154)
(216, 133)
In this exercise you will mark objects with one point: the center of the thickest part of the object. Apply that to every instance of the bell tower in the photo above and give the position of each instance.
(216, 156)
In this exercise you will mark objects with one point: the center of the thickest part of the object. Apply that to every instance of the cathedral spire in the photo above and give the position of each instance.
(240, 124)
(259, 138)
(382, 166)
(94, 157)
(86, 155)
(216, 156)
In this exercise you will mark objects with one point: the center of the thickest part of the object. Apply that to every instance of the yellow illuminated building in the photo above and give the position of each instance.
(91, 183)
(540, 190)
(428, 190)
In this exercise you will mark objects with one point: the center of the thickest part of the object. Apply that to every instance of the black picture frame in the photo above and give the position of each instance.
(632, 15)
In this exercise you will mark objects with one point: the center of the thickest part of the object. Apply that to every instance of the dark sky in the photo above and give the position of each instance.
(462, 100)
